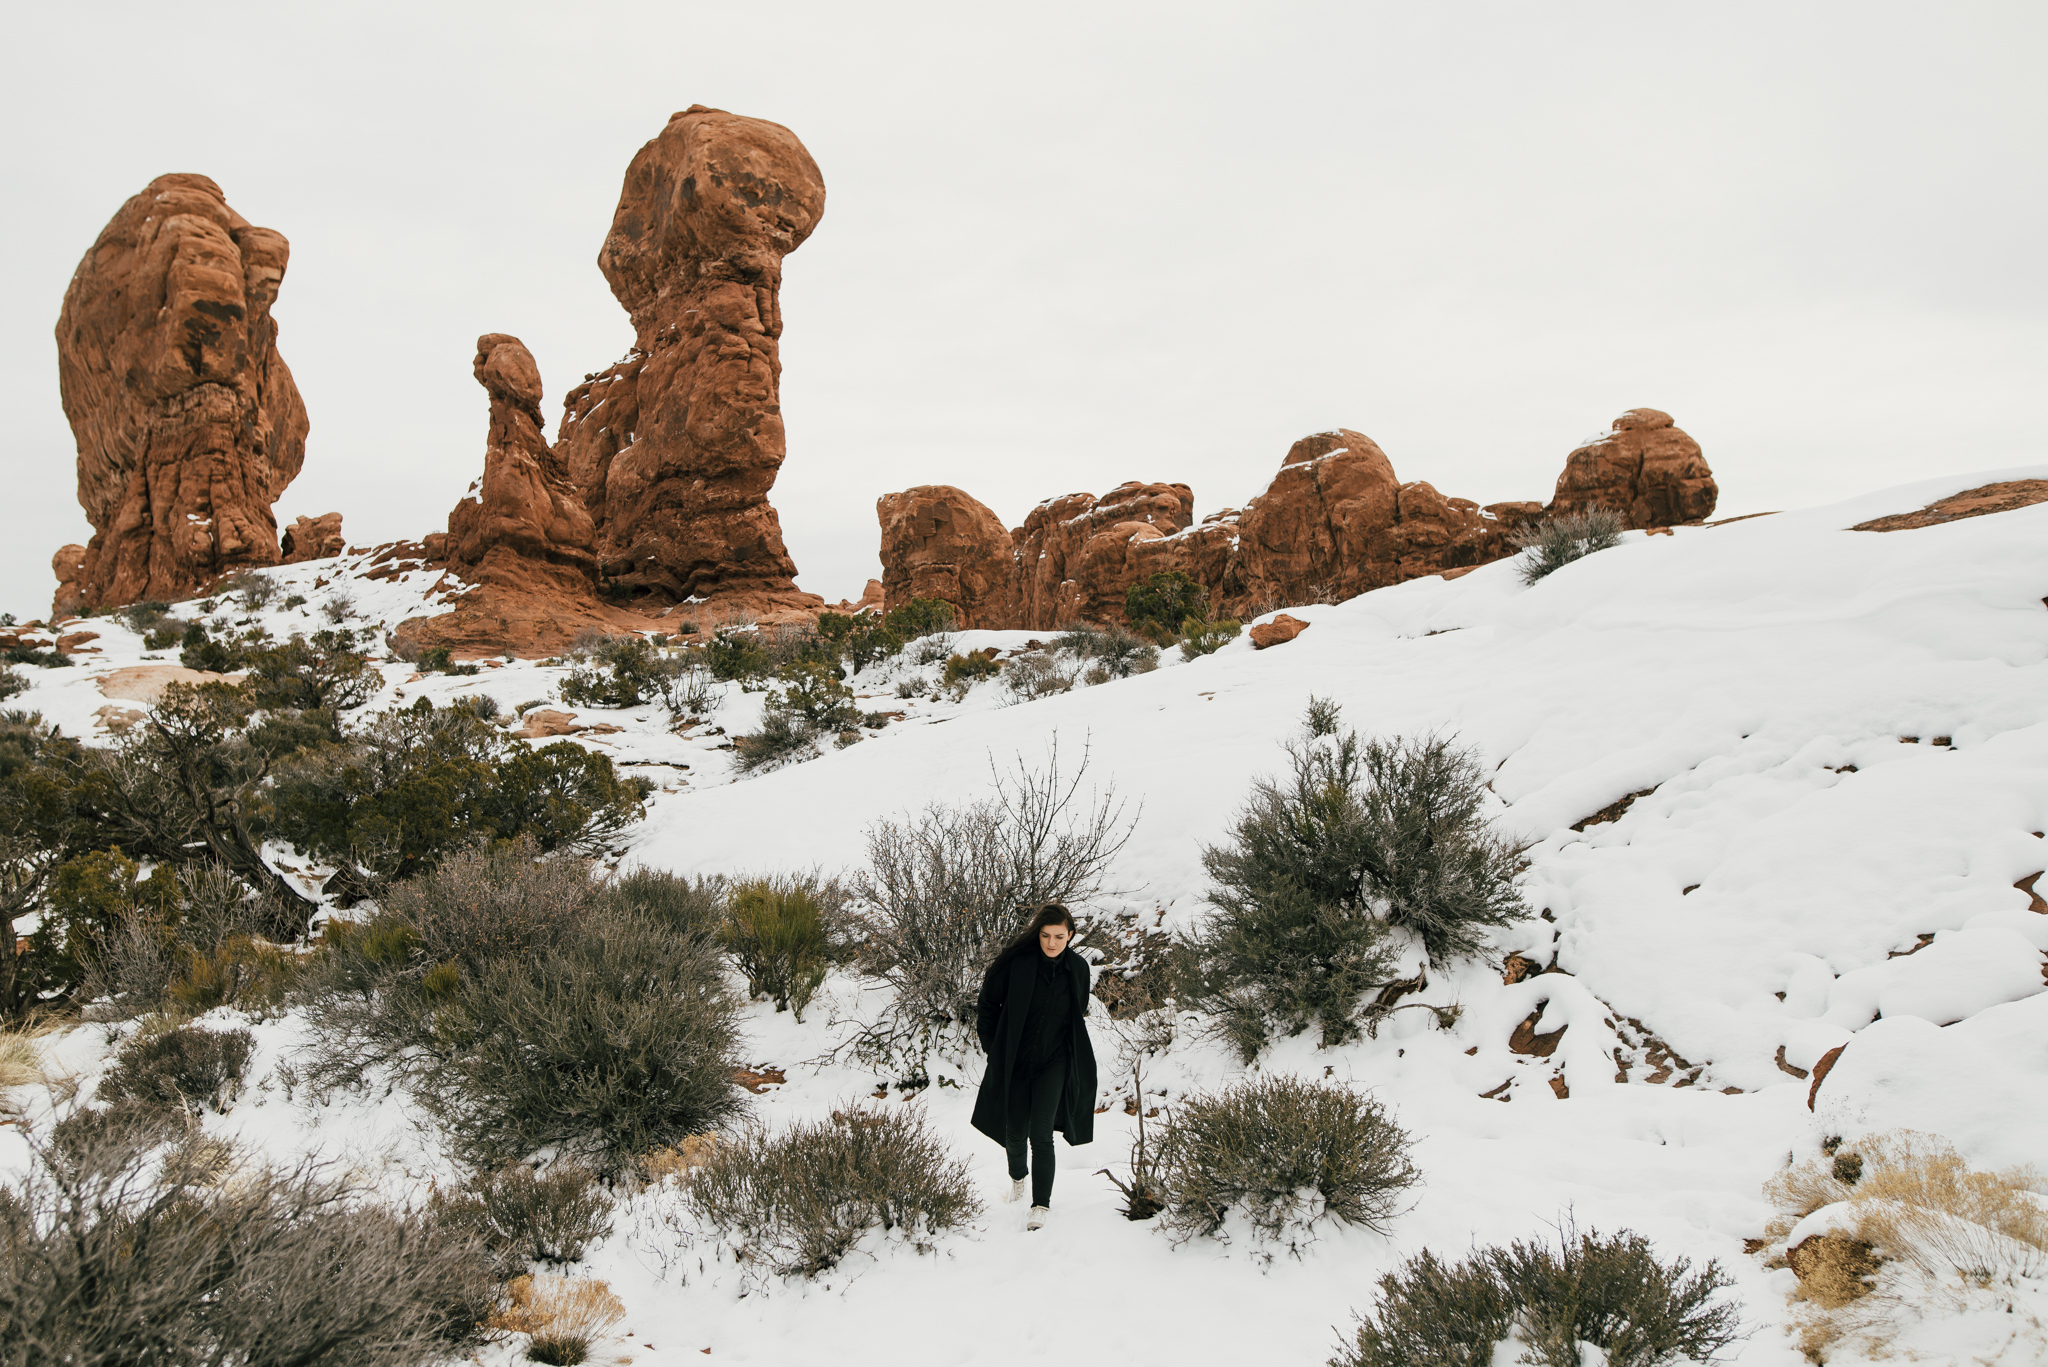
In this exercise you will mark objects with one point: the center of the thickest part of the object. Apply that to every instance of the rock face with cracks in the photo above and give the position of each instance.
(674, 449)
(938, 542)
(187, 421)
(313, 538)
(1334, 522)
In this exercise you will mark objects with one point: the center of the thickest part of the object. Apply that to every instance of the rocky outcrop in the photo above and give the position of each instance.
(937, 542)
(68, 564)
(675, 449)
(1077, 556)
(1277, 632)
(187, 421)
(313, 538)
(522, 525)
(1645, 468)
(2004, 497)
(1334, 522)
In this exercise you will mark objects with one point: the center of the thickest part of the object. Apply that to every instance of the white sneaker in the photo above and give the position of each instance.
(1039, 1215)
(1016, 1191)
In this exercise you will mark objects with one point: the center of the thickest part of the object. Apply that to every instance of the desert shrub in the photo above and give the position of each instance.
(777, 931)
(1358, 838)
(329, 672)
(525, 1217)
(561, 1317)
(691, 908)
(255, 589)
(1039, 674)
(21, 1052)
(616, 1039)
(797, 1202)
(784, 738)
(1557, 542)
(180, 1067)
(30, 655)
(733, 655)
(490, 903)
(1322, 716)
(165, 634)
(620, 671)
(1161, 606)
(1285, 1153)
(11, 682)
(965, 670)
(146, 615)
(1206, 638)
(297, 600)
(239, 972)
(1114, 653)
(337, 606)
(944, 888)
(1612, 1292)
(197, 649)
(120, 1251)
(690, 689)
(812, 692)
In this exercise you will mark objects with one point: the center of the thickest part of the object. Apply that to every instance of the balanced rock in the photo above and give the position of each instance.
(187, 421)
(313, 538)
(1644, 468)
(937, 542)
(675, 449)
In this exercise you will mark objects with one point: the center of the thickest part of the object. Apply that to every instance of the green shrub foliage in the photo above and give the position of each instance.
(1358, 839)
(1613, 1292)
(1558, 541)
(1112, 652)
(1206, 638)
(1164, 604)
(1285, 1154)
(797, 1202)
(531, 1009)
(778, 933)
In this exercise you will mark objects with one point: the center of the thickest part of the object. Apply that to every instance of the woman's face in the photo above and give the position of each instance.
(1053, 939)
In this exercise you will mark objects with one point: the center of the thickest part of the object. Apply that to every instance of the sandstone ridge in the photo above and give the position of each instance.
(1334, 522)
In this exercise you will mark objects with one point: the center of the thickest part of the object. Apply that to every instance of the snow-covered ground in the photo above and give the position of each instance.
(1839, 746)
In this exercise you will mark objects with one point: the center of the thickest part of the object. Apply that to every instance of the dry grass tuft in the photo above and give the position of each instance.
(678, 1159)
(1833, 1269)
(1919, 1201)
(561, 1316)
(21, 1053)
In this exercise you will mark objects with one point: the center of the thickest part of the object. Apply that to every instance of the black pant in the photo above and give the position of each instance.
(1034, 1100)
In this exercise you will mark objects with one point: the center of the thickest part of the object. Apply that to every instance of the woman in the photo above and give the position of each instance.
(1032, 1019)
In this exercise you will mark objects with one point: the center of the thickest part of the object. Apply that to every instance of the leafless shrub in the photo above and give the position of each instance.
(1557, 542)
(181, 1067)
(120, 1250)
(338, 606)
(798, 1202)
(1039, 674)
(943, 889)
(522, 1216)
(561, 1317)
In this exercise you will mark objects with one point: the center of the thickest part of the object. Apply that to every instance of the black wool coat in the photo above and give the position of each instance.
(999, 1019)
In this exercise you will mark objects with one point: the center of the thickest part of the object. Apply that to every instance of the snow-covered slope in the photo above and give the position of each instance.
(1837, 746)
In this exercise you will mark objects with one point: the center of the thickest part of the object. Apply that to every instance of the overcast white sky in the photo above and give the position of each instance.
(1071, 244)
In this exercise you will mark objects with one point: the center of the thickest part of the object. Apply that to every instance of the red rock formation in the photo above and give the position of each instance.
(1644, 468)
(1077, 556)
(68, 564)
(1334, 522)
(187, 421)
(939, 543)
(523, 525)
(675, 448)
(313, 538)
(1277, 632)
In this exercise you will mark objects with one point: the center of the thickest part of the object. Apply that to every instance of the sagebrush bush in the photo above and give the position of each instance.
(619, 671)
(1613, 1292)
(784, 738)
(239, 972)
(1206, 638)
(1162, 606)
(185, 1066)
(119, 1250)
(944, 888)
(524, 1217)
(1555, 543)
(966, 670)
(1285, 1154)
(799, 1201)
(1358, 839)
(11, 682)
(1039, 674)
(779, 934)
(529, 1008)
(1113, 652)
(617, 1039)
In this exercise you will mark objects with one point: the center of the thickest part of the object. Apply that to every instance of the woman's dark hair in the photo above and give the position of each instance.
(1051, 914)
